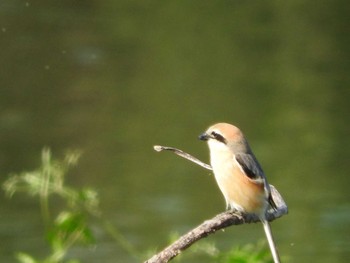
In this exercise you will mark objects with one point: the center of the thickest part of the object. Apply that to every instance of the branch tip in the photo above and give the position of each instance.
(158, 148)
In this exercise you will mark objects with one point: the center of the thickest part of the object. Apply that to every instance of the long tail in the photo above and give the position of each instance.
(269, 237)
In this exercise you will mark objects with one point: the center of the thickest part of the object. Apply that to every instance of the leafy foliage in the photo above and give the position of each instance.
(250, 253)
(69, 226)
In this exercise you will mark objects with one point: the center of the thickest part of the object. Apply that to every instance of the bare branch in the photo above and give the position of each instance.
(218, 222)
(183, 154)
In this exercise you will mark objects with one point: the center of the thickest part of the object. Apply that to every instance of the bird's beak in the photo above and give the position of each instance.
(204, 136)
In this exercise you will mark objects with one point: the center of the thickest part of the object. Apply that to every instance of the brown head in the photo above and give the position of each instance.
(225, 135)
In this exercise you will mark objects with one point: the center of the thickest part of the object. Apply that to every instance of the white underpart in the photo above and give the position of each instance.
(222, 161)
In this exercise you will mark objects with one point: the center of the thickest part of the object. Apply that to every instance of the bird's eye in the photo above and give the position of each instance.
(218, 137)
(214, 133)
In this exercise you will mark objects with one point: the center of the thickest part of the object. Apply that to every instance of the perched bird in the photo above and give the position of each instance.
(239, 175)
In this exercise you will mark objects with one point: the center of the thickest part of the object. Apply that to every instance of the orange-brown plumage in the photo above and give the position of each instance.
(239, 175)
(241, 190)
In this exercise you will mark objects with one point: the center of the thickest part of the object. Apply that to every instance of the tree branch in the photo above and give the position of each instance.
(183, 154)
(218, 222)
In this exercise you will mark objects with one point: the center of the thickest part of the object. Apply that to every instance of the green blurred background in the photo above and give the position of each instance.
(113, 78)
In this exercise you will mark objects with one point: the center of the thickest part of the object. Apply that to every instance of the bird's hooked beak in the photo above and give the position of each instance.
(204, 136)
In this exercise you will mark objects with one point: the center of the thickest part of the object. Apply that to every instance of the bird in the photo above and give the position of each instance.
(239, 175)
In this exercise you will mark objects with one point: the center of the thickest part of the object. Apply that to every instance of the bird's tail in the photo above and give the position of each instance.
(269, 237)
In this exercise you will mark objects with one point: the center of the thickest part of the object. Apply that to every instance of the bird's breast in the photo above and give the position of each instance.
(238, 189)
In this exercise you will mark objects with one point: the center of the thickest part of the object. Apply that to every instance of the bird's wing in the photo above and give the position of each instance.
(253, 170)
(250, 166)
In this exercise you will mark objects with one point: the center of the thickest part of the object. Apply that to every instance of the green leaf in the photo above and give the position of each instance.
(250, 253)
(25, 258)
(70, 227)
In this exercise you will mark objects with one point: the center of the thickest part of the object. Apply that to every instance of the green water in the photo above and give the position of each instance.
(113, 78)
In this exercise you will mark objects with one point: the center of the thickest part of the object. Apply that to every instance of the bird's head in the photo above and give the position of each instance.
(224, 136)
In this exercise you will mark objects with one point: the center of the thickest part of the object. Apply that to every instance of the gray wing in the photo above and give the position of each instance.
(250, 166)
(253, 170)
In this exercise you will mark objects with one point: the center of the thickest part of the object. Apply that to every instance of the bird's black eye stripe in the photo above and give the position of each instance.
(218, 137)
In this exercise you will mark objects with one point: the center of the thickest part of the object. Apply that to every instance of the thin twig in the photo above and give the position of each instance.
(183, 154)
